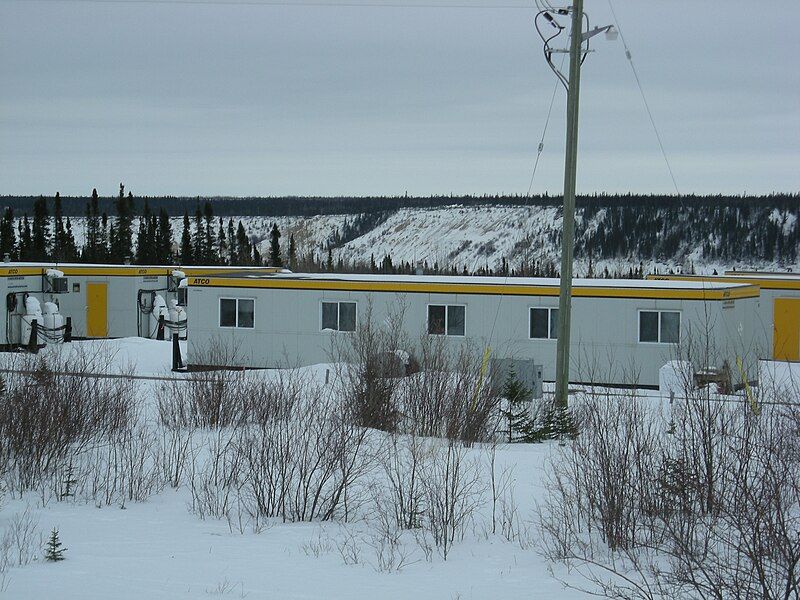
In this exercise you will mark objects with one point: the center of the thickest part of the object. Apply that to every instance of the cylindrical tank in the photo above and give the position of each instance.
(33, 311)
(177, 315)
(52, 320)
(159, 310)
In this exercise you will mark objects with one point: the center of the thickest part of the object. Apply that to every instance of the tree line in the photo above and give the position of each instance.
(313, 205)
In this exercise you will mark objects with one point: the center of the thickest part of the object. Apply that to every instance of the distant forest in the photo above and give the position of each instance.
(281, 206)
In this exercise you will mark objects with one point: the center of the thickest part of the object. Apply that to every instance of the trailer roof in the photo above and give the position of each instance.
(766, 281)
(448, 284)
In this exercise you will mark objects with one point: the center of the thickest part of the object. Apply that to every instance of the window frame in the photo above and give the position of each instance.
(235, 299)
(446, 318)
(659, 312)
(550, 327)
(338, 304)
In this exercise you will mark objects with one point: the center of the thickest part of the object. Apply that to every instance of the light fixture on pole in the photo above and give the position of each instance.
(579, 49)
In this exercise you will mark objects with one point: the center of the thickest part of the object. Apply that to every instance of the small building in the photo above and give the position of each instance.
(778, 308)
(623, 331)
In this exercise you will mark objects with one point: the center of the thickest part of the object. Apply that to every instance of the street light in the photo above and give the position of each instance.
(579, 49)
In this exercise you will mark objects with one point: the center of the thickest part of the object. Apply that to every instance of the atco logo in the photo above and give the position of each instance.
(142, 271)
(200, 281)
(13, 271)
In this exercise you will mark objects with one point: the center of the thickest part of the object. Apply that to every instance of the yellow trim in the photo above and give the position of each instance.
(467, 288)
(765, 283)
(128, 270)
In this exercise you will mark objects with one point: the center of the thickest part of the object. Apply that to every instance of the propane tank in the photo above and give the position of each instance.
(33, 311)
(159, 310)
(53, 320)
(177, 315)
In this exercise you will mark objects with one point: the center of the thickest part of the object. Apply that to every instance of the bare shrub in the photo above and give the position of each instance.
(707, 509)
(53, 407)
(454, 489)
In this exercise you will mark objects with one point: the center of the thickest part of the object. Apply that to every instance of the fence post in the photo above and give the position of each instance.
(68, 330)
(160, 330)
(33, 342)
(177, 360)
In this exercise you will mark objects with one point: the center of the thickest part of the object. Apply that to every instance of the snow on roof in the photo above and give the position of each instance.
(510, 281)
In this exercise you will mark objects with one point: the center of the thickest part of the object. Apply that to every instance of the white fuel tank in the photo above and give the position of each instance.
(159, 310)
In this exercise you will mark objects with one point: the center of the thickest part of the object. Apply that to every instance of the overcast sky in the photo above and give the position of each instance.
(192, 99)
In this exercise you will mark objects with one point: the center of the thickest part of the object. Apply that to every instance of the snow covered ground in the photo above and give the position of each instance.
(160, 549)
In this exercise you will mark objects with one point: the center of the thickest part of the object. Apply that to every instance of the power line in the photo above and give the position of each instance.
(644, 98)
(297, 3)
(544, 132)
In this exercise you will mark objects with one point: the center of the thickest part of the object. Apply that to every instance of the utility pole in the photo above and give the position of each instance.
(548, 27)
(568, 229)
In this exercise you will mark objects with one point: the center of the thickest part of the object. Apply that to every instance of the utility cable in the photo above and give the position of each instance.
(644, 97)
(544, 131)
(297, 3)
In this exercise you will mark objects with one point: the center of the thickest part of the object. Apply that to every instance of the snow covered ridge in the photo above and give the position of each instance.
(617, 238)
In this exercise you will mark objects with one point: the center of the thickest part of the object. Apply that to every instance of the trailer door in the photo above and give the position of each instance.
(97, 310)
(786, 329)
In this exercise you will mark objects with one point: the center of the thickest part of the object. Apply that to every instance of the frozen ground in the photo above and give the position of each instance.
(159, 549)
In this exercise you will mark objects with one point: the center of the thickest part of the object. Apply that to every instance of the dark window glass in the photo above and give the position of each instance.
(183, 296)
(330, 318)
(246, 313)
(648, 326)
(347, 316)
(436, 320)
(670, 327)
(227, 312)
(539, 323)
(455, 320)
(553, 323)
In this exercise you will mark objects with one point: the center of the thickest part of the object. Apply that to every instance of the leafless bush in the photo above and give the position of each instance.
(54, 407)
(403, 499)
(709, 508)
(450, 396)
(369, 363)
(20, 544)
(454, 489)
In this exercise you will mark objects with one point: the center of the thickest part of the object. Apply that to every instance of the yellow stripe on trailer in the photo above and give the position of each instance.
(733, 293)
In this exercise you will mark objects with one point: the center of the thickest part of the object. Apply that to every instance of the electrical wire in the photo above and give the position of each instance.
(544, 131)
(629, 56)
(297, 3)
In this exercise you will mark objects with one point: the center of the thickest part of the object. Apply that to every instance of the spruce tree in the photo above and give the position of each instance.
(121, 238)
(41, 241)
(25, 239)
(91, 251)
(164, 238)
(243, 249)
(232, 250)
(199, 242)
(102, 248)
(70, 247)
(292, 253)
(222, 243)
(143, 249)
(59, 241)
(186, 241)
(8, 237)
(210, 245)
(275, 247)
(53, 551)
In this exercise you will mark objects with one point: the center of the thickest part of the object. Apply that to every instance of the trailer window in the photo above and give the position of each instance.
(447, 319)
(543, 323)
(660, 326)
(237, 312)
(338, 316)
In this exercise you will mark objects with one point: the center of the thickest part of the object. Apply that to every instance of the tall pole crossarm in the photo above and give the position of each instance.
(568, 229)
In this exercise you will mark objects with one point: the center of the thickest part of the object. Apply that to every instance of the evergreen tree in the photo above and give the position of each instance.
(41, 242)
(275, 247)
(102, 248)
(210, 245)
(25, 239)
(199, 250)
(53, 550)
(232, 250)
(243, 249)
(292, 253)
(164, 238)
(121, 237)
(8, 238)
(329, 263)
(70, 247)
(91, 251)
(186, 241)
(143, 248)
(517, 411)
(222, 243)
(59, 241)
(257, 260)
